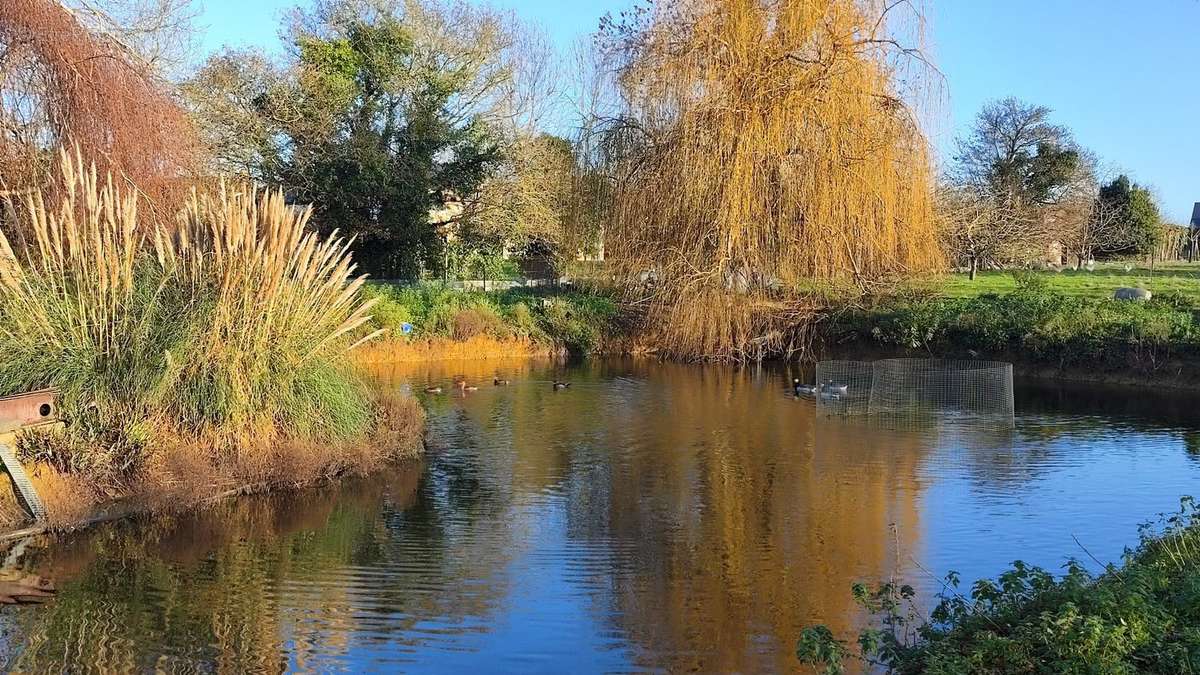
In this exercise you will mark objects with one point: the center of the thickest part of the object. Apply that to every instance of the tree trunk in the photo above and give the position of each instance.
(974, 267)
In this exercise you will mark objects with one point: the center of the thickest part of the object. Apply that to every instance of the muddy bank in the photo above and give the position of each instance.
(180, 476)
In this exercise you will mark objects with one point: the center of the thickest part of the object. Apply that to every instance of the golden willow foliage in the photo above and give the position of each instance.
(764, 146)
(234, 324)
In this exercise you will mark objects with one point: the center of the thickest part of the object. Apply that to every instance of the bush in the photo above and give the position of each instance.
(478, 320)
(576, 319)
(1142, 617)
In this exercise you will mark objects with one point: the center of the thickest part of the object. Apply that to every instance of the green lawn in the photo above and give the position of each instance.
(1177, 277)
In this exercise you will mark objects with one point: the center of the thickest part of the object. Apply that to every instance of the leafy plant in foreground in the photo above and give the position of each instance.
(1141, 617)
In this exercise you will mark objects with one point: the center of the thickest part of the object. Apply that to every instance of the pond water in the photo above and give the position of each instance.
(651, 517)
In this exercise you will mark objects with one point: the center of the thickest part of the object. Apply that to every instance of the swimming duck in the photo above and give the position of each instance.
(498, 382)
(461, 383)
(437, 389)
(803, 389)
(831, 388)
(558, 386)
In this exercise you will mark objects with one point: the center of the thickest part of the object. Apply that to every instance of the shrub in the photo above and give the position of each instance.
(523, 321)
(1142, 617)
(478, 320)
(576, 319)
(387, 313)
(231, 326)
(1039, 323)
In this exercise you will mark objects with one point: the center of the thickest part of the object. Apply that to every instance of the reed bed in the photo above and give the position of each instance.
(229, 331)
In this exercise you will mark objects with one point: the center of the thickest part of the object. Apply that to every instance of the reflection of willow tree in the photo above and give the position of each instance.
(743, 531)
(724, 524)
(247, 585)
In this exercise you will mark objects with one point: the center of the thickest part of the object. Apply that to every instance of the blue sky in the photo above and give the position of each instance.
(1125, 77)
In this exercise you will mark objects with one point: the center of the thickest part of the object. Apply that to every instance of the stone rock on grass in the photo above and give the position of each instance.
(1134, 294)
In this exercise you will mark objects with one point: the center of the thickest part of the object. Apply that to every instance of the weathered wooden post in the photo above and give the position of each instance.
(25, 411)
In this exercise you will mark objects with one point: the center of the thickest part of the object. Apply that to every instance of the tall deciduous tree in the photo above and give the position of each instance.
(382, 113)
(1014, 151)
(760, 146)
(81, 79)
(1016, 162)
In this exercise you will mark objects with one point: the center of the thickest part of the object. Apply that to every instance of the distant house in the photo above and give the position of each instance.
(1194, 230)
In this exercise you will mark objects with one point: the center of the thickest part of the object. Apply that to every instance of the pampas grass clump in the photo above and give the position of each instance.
(231, 327)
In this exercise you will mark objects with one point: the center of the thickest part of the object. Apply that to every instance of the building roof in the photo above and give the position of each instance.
(1196, 215)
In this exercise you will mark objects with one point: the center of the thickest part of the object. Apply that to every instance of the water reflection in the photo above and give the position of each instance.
(652, 517)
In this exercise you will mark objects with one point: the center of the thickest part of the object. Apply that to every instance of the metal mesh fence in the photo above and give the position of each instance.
(917, 389)
(844, 387)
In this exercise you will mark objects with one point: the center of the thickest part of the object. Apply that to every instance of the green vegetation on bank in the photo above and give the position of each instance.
(1142, 617)
(1034, 322)
(577, 319)
(1172, 277)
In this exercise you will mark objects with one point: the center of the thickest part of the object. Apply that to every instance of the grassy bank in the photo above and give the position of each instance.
(190, 359)
(1035, 323)
(1143, 617)
(1178, 278)
(448, 323)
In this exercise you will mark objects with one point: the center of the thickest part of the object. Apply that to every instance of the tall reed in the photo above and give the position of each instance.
(231, 325)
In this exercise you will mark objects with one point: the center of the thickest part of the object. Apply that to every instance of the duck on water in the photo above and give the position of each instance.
(829, 390)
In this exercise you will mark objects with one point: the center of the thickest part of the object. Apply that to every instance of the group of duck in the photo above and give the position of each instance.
(460, 383)
(828, 390)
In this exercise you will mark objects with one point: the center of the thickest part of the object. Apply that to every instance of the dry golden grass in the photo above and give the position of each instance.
(11, 512)
(443, 349)
(68, 499)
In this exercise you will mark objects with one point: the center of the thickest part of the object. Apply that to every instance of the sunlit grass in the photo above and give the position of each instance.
(1176, 277)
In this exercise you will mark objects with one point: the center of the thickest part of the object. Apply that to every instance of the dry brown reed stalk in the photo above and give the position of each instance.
(61, 85)
(764, 146)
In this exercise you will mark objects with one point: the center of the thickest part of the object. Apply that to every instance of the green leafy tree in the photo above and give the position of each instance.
(1018, 154)
(382, 114)
(1139, 219)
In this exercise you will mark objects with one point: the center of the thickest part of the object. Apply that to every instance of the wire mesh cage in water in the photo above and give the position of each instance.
(917, 389)
(844, 387)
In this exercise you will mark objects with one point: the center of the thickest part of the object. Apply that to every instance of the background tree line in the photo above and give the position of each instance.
(1019, 189)
(424, 129)
(412, 125)
(437, 132)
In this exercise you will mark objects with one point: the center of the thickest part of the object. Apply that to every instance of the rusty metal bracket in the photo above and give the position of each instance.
(24, 411)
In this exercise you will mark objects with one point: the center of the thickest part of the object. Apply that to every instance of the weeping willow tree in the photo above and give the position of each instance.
(761, 146)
